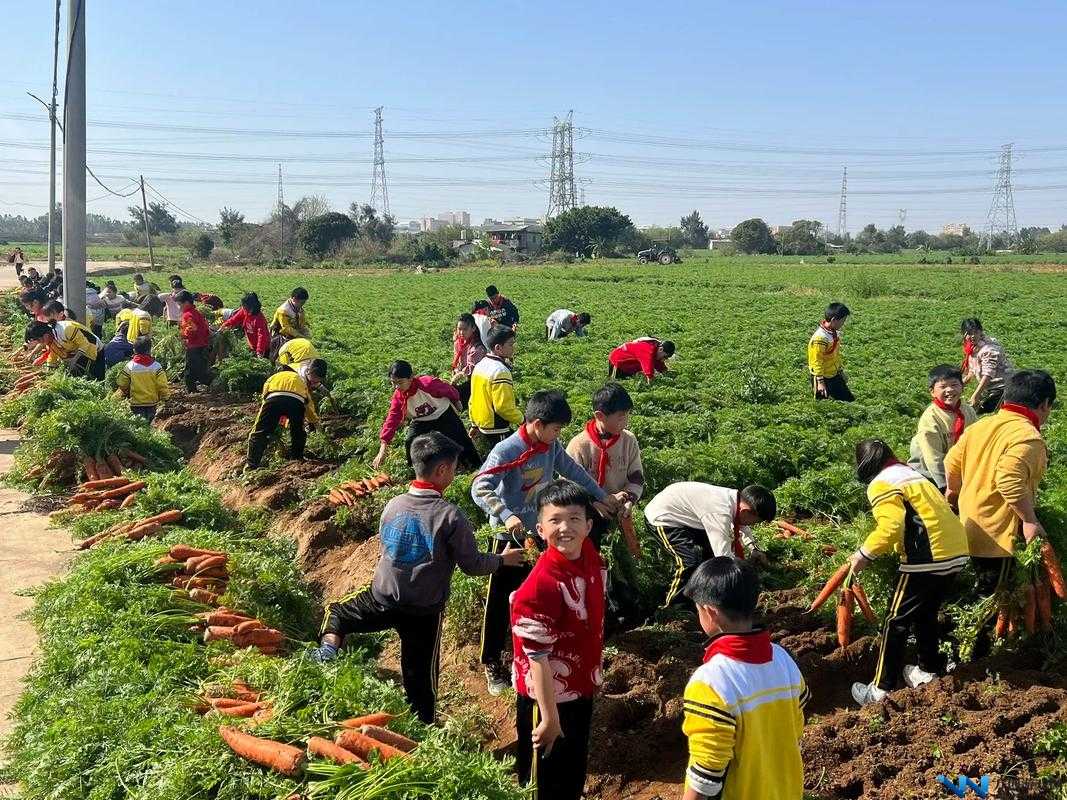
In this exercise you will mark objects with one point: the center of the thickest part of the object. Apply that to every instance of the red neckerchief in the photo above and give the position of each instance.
(143, 359)
(825, 325)
(1015, 408)
(417, 484)
(575, 322)
(959, 423)
(739, 551)
(968, 351)
(532, 449)
(751, 647)
(603, 445)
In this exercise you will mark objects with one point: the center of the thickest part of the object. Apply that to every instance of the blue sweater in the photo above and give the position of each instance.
(514, 493)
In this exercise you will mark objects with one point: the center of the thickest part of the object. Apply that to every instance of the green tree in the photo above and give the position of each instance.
(802, 239)
(589, 230)
(753, 236)
(159, 219)
(202, 246)
(694, 231)
(321, 235)
(370, 226)
(230, 221)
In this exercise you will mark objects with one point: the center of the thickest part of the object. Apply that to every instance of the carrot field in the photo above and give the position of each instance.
(110, 708)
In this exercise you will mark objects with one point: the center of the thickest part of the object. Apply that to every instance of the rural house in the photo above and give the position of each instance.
(525, 239)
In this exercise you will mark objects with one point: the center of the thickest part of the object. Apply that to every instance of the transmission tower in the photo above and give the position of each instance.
(281, 193)
(902, 216)
(378, 181)
(562, 195)
(842, 224)
(1002, 210)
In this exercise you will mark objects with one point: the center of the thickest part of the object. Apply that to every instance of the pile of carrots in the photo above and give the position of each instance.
(202, 574)
(104, 494)
(25, 382)
(1038, 591)
(111, 465)
(136, 530)
(851, 595)
(245, 703)
(355, 743)
(351, 492)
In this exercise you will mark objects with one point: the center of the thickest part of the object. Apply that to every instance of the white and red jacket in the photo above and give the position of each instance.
(427, 399)
(558, 614)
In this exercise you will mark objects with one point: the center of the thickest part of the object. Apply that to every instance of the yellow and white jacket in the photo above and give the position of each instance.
(744, 716)
(914, 521)
(287, 383)
(290, 321)
(297, 352)
(824, 360)
(139, 323)
(492, 405)
(72, 338)
(146, 383)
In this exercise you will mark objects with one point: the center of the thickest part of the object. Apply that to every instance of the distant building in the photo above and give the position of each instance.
(528, 221)
(431, 224)
(956, 229)
(526, 239)
(721, 241)
(778, 230)
(461, 218)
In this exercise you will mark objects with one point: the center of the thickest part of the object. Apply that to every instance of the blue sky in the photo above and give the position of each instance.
(736, 110)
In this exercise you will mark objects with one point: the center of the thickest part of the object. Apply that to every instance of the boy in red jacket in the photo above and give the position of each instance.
(557, 623)
(197, 338)
(645, 356)
(430, 404)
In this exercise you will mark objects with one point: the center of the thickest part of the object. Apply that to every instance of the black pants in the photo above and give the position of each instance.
(990, 400)
(992, 574)
(836, 389)
(496, 622)
(464, 390)
(451, 426)
(487, 441)
(420, 643)
(148, 413)
(83, 367)
(689, 548)
(270, 413)
(915, 607)
(97, 329)
(561, 774)
(196, 367)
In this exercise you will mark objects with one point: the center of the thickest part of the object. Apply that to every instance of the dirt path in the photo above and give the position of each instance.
(9, 280)
(31, 555)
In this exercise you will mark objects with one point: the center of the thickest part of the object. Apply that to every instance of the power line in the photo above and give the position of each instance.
(173, 205)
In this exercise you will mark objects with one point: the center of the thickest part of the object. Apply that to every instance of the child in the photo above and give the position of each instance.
(197, 338)
(984, 359)
(95, 309)
(423, 539)
(645, 356)
(138, 323)
(467, 351)
(557, 622)
(297, 353)
(55, 311)
(611, 455)
(290, 321)
(71, 344)
(249, 318)
(744, 706)
(480, 311)
(287, 394)
(914, 521)
(429, 403)
(492, 403)
(502, 311)
(824, 356)
(993, 472)
(506, 490)
(941, 424)
(119, 348)
(696, 521)
(143, 381)
(172, 311)
(564, 322)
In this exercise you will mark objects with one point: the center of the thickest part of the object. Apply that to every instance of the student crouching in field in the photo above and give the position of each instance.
(143, 381)
(423, 539)
(824, 356)
(249, 318)
(501, 310)
(428, 404)
(915, 522)
(984, 361)
(69, 344)
(506, 490)
(744, 706)
(993, 472)
(286, 394)
(557, 622)
(562, 323)
(493, 410)
(941, 424)
(645, 356)
(697, 521)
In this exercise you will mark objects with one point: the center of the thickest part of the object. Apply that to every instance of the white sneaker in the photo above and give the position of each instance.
(915, 677)
(496, 679)
(864, 693)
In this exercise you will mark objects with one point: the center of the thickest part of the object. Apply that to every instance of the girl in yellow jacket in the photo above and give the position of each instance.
(914, 522)
(143, 380)
(70, 344)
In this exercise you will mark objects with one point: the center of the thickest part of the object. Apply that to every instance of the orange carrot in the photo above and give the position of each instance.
(167, 517)
(862, 601)
(1044, 605)
(204, 596)
(129, 455)
(260, 637)
(85, 544)
(107, 483)
(389, 737)
(206, 562)
(115, 464)
(91, 472)
(102, 469)
(107, 505)
(183, 582)
(248, 625)
(122, 491)
(244, 691)
(831, 586)
(324, 748)
(844, 617)
(792, 529)
(183, 552)
(164, 561)
(1030, 609)
(277, 756)
(216, 633)
(213, 574)
(1001, 629)
(129, 501)
(1053, 569)
(363, 745)
(141, 531)
(380, 718)
(224, 618)
(245, 710)
(227, 702)
(629, 536)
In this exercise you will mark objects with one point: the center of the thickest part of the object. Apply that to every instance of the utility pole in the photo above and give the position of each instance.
(147, 231)
(902, 216)
(281, 194)
(842, 208)
(1002, 210)
(52, 164)
(74, 163)
(378, 180)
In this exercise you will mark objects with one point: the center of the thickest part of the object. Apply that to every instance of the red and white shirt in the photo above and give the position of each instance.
(558, 614)
(427, 399)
